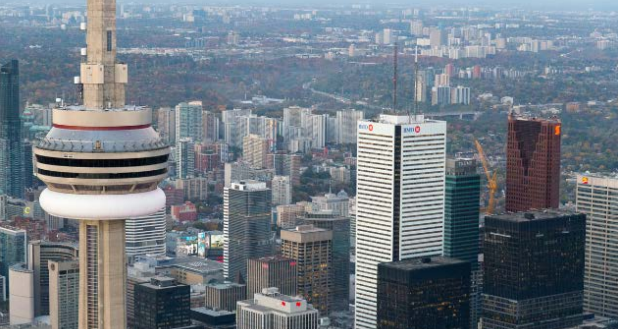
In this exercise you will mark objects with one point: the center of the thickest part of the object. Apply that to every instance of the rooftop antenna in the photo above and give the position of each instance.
(395, 57)
(416, 81)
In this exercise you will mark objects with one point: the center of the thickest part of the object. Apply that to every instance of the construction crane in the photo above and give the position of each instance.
(492, 180)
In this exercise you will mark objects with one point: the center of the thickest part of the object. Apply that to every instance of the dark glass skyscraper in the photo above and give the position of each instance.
(424, 293)
(461, 210)
(534, 270)
(533, 164)
(461, 222)
(11, 152)
(162, 303)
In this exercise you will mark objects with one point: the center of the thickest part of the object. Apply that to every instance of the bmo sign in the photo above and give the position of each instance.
(410, 130)
(365, 126)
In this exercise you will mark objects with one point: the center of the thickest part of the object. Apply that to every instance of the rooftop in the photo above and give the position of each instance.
(203, 266)
(532, 215)
(422, 263)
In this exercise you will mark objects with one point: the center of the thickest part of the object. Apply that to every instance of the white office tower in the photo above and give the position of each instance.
(597, 197)
(400, 199)
(282, 190)
(102, 163)
(272, 310)
(145, 235)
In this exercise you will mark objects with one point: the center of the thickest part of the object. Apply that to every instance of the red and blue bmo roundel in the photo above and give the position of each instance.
(370, 127)
(417, 129)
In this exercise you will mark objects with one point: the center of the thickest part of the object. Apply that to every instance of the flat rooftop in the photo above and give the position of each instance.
(533, 215)
(423, 263)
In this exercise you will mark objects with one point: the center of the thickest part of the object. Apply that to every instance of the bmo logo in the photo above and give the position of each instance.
(364, 126)
(409, 130)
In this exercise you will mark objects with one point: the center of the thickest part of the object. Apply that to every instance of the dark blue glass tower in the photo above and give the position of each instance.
(11, 155)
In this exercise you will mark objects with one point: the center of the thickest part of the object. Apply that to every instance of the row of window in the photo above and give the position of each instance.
(102, 163)
(103, 176)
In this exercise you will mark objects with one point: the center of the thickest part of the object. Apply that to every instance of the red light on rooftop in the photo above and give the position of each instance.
(282, 303)
(298, 304)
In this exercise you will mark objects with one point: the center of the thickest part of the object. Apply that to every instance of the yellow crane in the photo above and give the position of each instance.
(492, 180)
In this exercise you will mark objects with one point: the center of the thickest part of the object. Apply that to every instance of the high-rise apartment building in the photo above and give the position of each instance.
(532, 164)
(287, 215)
(185, 158)
(340, 270)
(312, 249)
(64, 294)
(346, 123)
(21, 295)
(232, 134)
(13, 248)
(399, 202)
(273, 271)
(189, 123)
(597, 197)
(11, 152)
(40, 253)
(102, 163)
(145, 235)
(338, 203)
(246, 226)
(534, 270)
(166, 124)
(255, 150)
(282, 190)
(211, 125)
(272, 310)
(162, 303)
(286, 165)
(424, 293)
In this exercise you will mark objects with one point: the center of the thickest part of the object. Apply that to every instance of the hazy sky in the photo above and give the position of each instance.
(532, 4)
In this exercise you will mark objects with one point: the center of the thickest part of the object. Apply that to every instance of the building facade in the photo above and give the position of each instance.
(13, 248)
(534, 270)
(340, 270)
(254, 151)
(162, 303)
(40, 253)
(224, 296)
(312, 249)
(273, 271)
(282, 190)
(424, 293)
(532, 164)
(11, 152)
(597, 197)
(64, 294)
(145, 235)
(399, 202)
(272, 310)
(246, 226)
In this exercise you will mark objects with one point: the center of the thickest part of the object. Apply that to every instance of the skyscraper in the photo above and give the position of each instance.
(40, 253)
(64, 294)
(340, 270)
(185, 158)
(461, 222)
(162, 303)
(312, 249)
(424, 293)
(254, 151)
(11, 152)
(282, 190)
(534, 270)
(346, 125)
(272, 271)
(246, 226)
(146, 235)
(400, 199)
(597, 197)
(13, 248)
(461, 210)
(189, 123)
(102, 162)
(532, 164)
(272, 310)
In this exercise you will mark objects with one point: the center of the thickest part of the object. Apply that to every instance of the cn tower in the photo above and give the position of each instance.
(102, 163)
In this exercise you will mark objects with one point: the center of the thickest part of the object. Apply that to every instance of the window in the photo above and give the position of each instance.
(109, 40)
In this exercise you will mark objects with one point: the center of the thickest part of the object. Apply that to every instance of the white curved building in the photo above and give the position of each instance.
(102, 162)
(146, 235)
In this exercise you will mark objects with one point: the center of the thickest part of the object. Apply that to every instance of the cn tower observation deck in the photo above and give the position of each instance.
(102, 162)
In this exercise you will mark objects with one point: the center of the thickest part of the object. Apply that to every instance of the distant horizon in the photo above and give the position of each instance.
(550, 5)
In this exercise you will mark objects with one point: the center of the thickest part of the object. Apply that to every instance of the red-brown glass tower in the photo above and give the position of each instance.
(533, 164)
